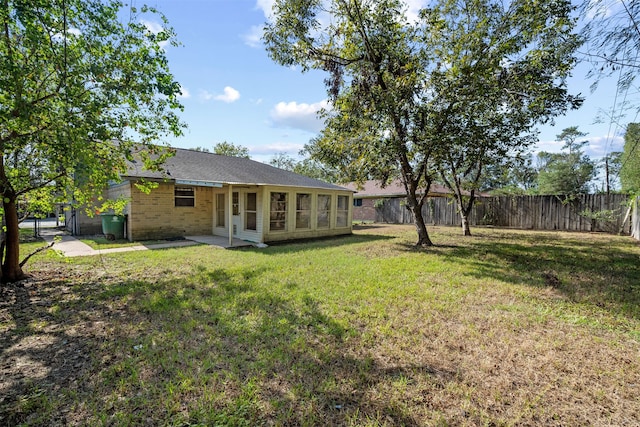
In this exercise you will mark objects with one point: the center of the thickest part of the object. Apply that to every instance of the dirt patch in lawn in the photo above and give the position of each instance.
(46, 345)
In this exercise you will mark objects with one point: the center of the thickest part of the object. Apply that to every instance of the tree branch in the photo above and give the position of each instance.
(15, 135)
(41, 185)
(631, 17)
(612, 61)
(43, 248)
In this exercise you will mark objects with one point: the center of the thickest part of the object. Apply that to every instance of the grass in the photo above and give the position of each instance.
(503, 328)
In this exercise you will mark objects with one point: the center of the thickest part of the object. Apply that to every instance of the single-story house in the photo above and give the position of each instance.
(370, 193)
(201, 193)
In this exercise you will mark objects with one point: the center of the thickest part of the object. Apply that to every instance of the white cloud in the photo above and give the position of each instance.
(299, 116)
(206, 95)
(229, 95)
(253, 37)
(597, 147)
(413, 8)
(600, 146)
(59, 37)
(278, 147)
(184, 93)
(548, 146)
(154, 28)
(266, 6)
(602, 9)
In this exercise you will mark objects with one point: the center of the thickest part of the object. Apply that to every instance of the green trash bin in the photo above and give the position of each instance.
(114, 225)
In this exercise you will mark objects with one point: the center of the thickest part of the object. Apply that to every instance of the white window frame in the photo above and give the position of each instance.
(190, 199)
(342, 213)
(253, 211)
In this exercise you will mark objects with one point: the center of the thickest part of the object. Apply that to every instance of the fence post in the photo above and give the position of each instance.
(635, 219)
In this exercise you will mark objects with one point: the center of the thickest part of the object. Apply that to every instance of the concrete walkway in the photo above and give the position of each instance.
(72, 247)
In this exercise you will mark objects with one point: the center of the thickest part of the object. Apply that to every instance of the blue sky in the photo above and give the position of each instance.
(233, 92)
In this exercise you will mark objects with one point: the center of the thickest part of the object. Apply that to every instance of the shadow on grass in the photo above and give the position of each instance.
(44, 352)
(292, 246)
(218, 349)
(582, 270)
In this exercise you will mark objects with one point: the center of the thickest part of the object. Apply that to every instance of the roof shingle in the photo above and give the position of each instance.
(392, 189)
(191, 165)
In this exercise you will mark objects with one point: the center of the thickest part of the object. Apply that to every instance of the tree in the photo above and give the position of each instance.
(566, 173)
(80, 92)
(201, 149)
(500, 86)
(515, 175)
(444, 96)
(612, 31)
(283, 161)
(630, 163)
(375, 83)
(225, 148)
(314, 169)
(307, 167)
(611, 163)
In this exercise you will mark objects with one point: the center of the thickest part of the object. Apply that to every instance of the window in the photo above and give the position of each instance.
(303, 210)
(250, 212)
(184, 196)
(342, 213)
(357, 202)
(220, 216)
(278, 212)
(235, 203)
(324, 209)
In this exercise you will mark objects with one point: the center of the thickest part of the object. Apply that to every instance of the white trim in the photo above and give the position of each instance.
(198, 183)
(230, 215)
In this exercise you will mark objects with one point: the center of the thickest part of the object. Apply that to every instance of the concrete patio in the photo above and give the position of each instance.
(70, 246)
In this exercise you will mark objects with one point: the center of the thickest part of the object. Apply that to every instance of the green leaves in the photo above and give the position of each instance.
(630, 162)
(77, 77)
(566, 173)
(82, 85)
(225, 148)
(460, 88)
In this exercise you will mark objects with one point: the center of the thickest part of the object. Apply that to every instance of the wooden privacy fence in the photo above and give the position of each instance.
(590, 212)
(635, 219)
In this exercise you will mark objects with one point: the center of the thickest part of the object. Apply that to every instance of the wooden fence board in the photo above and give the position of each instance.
(524, 212)
(635, 221)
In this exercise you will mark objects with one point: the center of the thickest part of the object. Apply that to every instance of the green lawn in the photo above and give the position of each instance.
(502, 328)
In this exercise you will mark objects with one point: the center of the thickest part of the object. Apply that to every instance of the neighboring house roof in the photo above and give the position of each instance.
(371, 189)
(199, 166)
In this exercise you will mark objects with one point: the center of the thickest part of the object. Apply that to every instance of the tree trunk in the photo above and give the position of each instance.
(466, 231)
(11, 270)
(421, 227)
(465, 211)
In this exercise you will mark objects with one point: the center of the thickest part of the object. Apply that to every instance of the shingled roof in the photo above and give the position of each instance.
(373, 189)
(191, 165)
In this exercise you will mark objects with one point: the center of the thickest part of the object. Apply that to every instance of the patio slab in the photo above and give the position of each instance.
(72, 247)
(222, 242)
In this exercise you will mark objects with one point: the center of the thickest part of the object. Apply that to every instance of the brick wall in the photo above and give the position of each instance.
(366, 212)
(155, 216)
